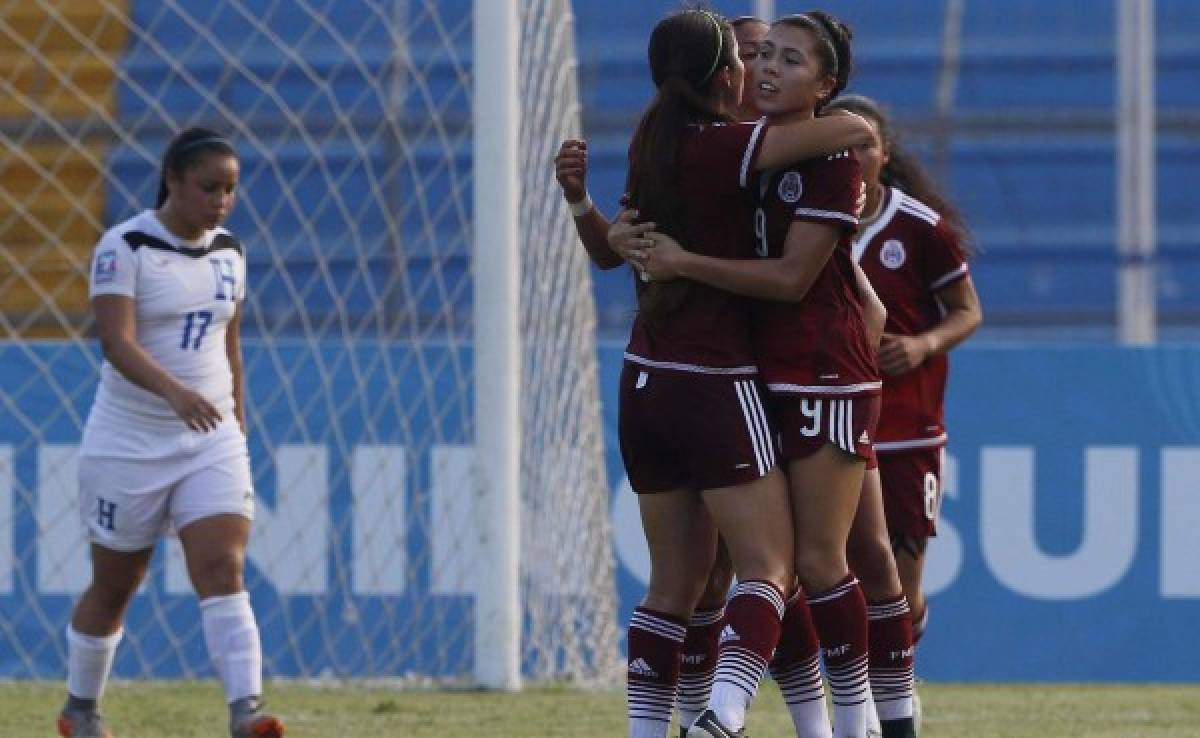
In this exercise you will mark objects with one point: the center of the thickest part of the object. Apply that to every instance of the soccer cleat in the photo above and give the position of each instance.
(256, 725)
(683, 731)
(902, 728)
(708, 726)
(82, 724)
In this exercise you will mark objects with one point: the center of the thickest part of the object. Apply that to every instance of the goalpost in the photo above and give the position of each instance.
(497, 357)
(423, 406)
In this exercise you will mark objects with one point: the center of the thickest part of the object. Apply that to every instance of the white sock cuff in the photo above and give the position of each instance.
(893, 608)
(226, 604)
(764, 589)
(94, 643)
(701, 618)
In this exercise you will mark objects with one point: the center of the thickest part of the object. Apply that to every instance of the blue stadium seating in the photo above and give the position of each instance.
(1041, 203)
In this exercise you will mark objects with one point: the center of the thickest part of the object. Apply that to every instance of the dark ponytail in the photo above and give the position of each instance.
(184, 151)
(687, 50)
(903, 170)
(833, 47)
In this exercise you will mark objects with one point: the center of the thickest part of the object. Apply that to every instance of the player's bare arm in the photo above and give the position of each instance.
(785, 143)
(570, 169)
(899, 354)
(786, 279)
(874, 311)
(116, 324)
(233, 350)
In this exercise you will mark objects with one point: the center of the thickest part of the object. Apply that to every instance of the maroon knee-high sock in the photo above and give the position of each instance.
(840, 616)
(752, 625)
(699, 663)
(655, 640)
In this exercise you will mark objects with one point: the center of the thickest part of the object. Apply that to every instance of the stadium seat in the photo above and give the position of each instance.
(1041, 204)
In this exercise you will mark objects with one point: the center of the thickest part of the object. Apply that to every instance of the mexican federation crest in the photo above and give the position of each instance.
(892, 254)
(791, 186)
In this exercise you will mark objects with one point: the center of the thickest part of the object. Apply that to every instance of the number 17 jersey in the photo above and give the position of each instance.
(185, 293)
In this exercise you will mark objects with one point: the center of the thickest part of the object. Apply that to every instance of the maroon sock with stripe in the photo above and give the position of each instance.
(699, 663)
(796, 668)
(655, 641)
(840, 616)
(752, 625)
(891, 657)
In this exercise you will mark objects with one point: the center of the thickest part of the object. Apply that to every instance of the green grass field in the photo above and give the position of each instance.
(194, 709)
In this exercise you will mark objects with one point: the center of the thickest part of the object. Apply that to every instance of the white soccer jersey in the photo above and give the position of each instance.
(185, 294)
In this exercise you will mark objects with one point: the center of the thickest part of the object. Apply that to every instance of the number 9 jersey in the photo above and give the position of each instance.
(185, 293)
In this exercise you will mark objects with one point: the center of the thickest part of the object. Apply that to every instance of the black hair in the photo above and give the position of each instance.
(833, 47)
(743, 20)
(187, 148)
(903, 170)
(687, 49)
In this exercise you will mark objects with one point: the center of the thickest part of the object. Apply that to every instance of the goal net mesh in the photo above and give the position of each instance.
(352, 120)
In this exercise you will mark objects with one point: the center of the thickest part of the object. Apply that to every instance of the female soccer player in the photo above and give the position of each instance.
(910, 244)
(164, 444)
(795, 665)
(690, 417)
(749, 30)
(811, 340)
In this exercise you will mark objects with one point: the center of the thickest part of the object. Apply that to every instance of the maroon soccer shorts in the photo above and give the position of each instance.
(681, 429)
(912, 491)
(808, 422)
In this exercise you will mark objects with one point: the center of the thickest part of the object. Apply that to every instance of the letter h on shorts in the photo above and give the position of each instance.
(106, 513)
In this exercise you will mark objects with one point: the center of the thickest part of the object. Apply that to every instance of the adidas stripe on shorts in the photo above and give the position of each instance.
(807, 422)
(688, 430)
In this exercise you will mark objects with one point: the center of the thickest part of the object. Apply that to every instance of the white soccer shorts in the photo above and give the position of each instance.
(126, 504)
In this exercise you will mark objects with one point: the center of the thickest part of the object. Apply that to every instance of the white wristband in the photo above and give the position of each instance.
(581, 208)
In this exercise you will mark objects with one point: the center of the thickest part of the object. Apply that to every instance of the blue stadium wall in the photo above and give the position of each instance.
(1068, 549)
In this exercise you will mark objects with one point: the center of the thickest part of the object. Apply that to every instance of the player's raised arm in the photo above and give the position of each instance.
(784, 143)
(570, 169)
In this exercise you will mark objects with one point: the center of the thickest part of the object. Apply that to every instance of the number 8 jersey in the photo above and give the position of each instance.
(185, 293)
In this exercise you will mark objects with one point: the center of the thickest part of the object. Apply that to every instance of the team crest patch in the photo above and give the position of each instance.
(892, 254)
(791, 187)
(106, 267)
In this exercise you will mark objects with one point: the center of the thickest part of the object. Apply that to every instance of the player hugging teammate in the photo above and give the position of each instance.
(815, 331)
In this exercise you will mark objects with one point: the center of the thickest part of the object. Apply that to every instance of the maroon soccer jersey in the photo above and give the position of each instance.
(909, 254)
(710, 330)
(818, 346)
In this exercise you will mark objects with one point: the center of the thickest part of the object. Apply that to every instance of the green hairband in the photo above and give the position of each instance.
(720, 47)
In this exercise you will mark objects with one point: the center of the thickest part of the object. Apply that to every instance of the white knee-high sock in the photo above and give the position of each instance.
(89, 660)
(231, 634)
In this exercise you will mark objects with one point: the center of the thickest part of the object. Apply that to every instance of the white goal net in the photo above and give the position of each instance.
(352, 119)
